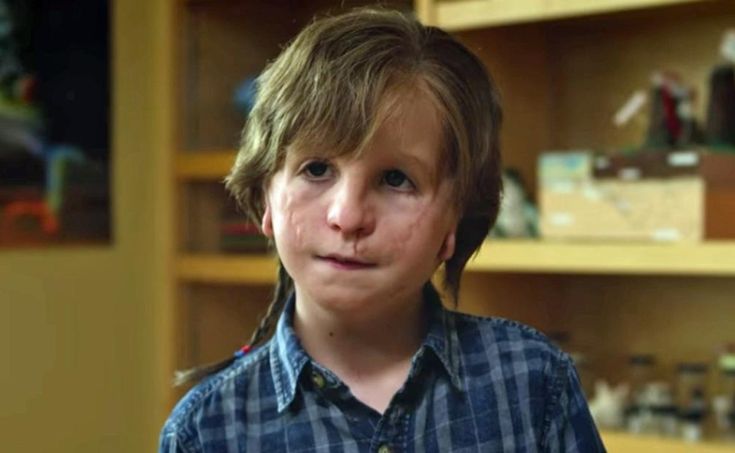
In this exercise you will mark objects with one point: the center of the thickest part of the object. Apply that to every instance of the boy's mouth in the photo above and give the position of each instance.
(346, 262)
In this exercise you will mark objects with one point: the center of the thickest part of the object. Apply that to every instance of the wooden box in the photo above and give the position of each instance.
(651, 196)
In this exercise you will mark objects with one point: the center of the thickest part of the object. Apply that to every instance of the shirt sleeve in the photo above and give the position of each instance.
(570, 427)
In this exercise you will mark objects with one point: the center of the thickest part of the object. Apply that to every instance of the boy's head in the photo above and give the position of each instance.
(333, 91)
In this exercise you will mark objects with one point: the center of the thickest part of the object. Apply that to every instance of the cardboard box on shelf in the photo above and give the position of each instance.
(649, 196)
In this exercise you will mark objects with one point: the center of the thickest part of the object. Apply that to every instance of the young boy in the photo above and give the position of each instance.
(371, 158)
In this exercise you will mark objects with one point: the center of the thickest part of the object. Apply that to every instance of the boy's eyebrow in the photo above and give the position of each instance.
(426, 167)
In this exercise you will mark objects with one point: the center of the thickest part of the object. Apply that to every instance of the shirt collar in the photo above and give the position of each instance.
(288, 358)
(441, 337)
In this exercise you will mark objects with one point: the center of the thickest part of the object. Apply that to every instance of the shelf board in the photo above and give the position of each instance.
(624, 442)
(710, 258)
(204, 165)
(466, 14)
(227, 269)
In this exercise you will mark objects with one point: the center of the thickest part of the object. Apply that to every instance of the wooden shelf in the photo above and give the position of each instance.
(628, 443)
(710, 259)
(227, 269)
(204, 165)
(467, 14)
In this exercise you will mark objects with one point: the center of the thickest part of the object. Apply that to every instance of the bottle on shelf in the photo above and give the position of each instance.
(723, 403)
(638, 416)
(691, 380)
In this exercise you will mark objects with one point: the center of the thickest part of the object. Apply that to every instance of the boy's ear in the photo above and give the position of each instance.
(266, 223)
(447, 249)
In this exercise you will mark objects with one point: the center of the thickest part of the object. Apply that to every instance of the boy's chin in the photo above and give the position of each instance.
(351, 302)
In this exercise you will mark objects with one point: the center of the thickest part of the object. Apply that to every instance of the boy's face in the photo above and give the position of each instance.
(360, 236)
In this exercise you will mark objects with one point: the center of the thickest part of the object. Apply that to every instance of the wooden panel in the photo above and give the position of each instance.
(225, 42)
(222, 319)
(625, 443)
(465, 14)
(205, 204)
(528, 298)
(426, 11)
(517, 59)
(205, 165)
(462, 15)
(224, 269)
(711, 258)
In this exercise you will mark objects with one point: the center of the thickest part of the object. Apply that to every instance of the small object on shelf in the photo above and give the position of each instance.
(240, 235)
(671, 124)
(674, 196)
(691, 381)
(663, 124)
(518, 216)
(723, 404)
(245, 94)
(638, 416)
(608, 405)
(659, 411)
(720, 122)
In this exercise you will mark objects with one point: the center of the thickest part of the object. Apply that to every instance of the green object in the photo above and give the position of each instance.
(727, 361)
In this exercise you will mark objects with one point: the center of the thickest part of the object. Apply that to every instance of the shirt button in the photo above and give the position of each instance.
(385, 449)
(318, 380)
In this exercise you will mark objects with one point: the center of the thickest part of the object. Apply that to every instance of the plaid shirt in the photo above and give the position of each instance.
(475, 385)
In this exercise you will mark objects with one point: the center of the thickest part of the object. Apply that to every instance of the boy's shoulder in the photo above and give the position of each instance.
(503, 340)
(217, 393)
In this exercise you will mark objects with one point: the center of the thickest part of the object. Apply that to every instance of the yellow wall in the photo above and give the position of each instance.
(80, 327)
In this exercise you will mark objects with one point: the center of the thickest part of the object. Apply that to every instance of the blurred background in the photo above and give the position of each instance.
(122, 259)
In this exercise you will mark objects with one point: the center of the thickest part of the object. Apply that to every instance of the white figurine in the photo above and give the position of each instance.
(608, 405)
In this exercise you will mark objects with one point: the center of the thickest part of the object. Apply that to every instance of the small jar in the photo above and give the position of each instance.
(723, 403)
(691, 380)
(640, 373)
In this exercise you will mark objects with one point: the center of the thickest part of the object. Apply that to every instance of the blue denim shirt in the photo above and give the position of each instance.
(475, 385)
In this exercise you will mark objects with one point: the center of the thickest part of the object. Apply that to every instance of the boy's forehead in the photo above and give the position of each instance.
(412, 126)
(407, 122)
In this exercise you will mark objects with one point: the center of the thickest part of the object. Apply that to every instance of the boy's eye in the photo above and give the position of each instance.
(397, 179)
(316, 169)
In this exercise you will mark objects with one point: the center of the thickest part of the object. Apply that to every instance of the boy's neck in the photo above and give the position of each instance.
(370, 354)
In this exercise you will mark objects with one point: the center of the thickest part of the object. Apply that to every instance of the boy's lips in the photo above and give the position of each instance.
(346, 262)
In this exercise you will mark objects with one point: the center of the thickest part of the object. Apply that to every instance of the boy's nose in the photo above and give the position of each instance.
(350, 211)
